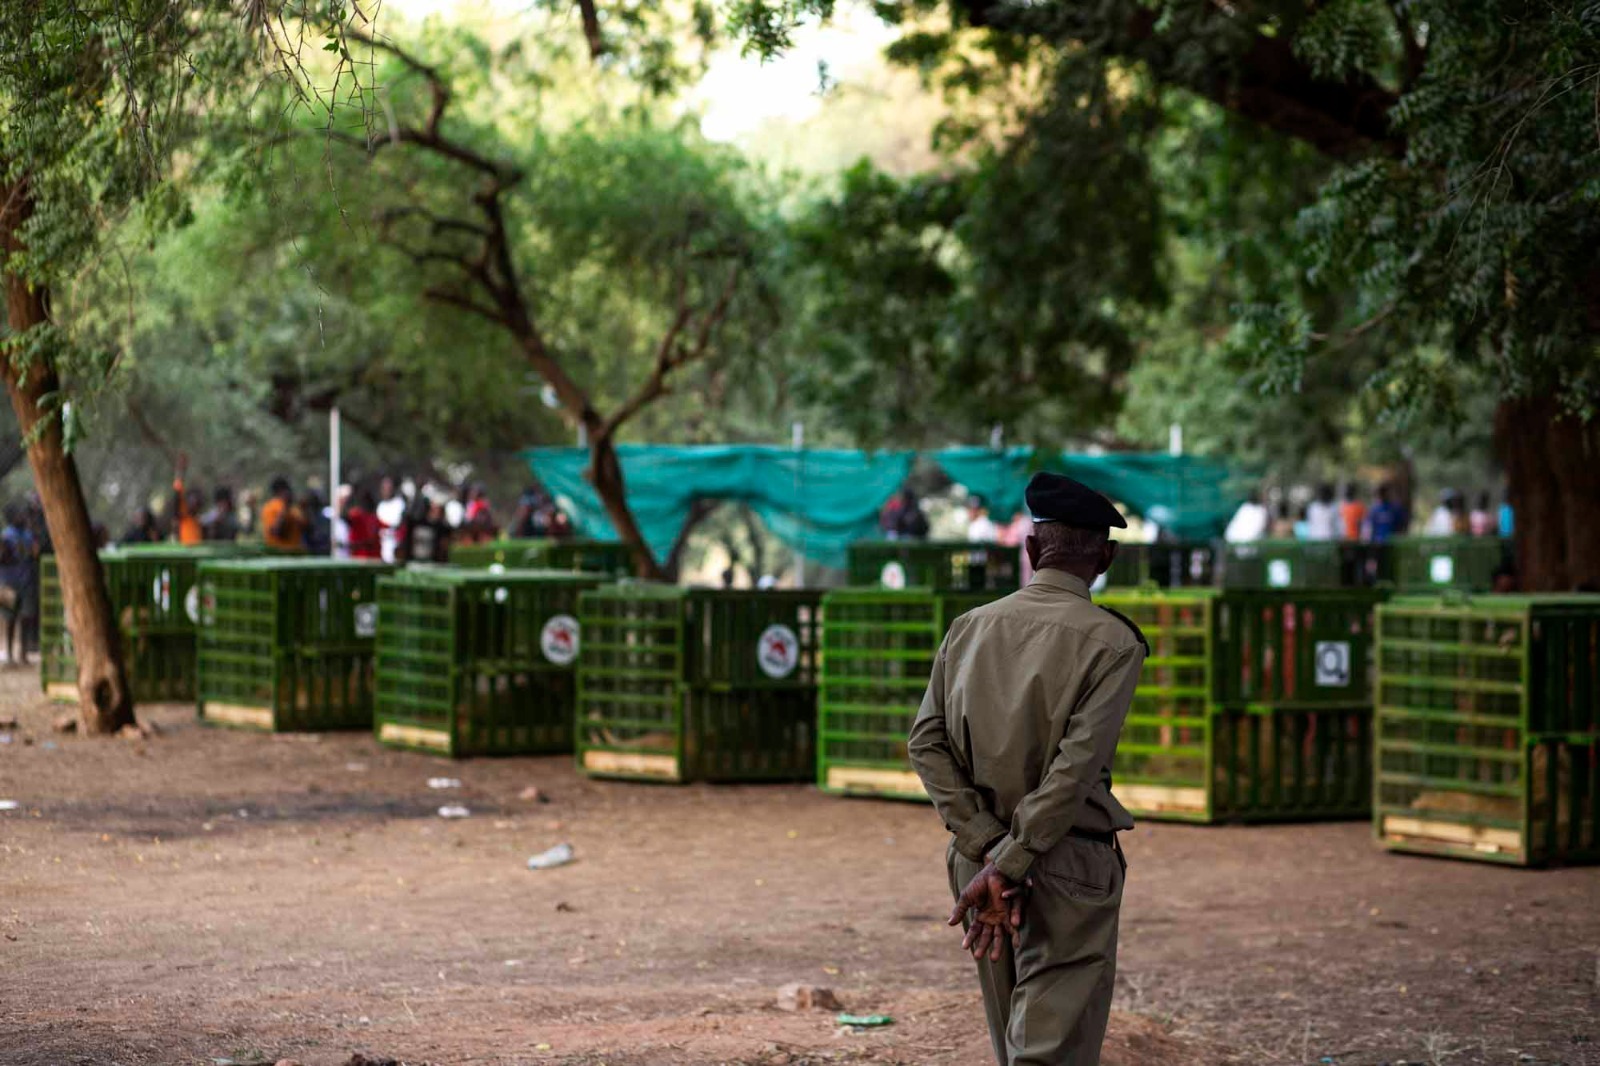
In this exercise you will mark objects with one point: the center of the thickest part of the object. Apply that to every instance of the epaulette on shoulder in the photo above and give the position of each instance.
(1138, 634)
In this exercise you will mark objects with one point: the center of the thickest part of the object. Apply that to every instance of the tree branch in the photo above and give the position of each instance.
(436, 223)
(148, 431)
(670, 356)
(1262, 80)
(1416, 52)
(591, 29)
(438, 88)
(429, 135)
(438, 294)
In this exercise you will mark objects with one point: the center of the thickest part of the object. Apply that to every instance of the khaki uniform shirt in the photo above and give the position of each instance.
(1016, 733)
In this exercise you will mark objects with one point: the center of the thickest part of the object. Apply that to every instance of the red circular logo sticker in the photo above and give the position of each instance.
(559, 639)
(778, 651)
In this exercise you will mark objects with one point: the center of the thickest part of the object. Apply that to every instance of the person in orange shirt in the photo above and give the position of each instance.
(283, 526)
(186, 504)
(1352, 512)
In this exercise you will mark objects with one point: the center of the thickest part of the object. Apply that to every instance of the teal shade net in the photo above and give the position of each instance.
(1189, 496)
(817, 502)
(998, 475)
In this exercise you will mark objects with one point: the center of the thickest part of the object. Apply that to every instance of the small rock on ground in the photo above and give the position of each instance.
(807, 997)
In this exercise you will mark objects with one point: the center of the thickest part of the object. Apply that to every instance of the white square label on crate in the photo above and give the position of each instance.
(1333, 663)
(1280, 575)
(1442, 569)
(366, 619)
(892, 576)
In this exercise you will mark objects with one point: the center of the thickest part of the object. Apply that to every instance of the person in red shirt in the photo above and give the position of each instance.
(366, 532)
(478, 512)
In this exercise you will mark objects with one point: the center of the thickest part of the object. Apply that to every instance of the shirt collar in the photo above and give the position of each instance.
(1060, 579)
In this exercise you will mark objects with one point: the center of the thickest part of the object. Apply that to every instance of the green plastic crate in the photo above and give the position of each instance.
(474, 663)
(1265, 764)
(697, 684)
(1271, 648)
(943, 566)
(878, 648)
(1219, 730)
(1294, 648)
(1488, 721)
(1467, 564)
(1306, 564)
(152, 591)
(286, 644)
(1163, 760)
(1178, 564)
(586, 556)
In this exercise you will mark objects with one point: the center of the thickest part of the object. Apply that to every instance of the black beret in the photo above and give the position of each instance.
(1055, 498)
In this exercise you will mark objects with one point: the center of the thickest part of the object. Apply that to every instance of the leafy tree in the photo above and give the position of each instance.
(589, 247)
(941, 296)
(95, 98)
(1457, 224)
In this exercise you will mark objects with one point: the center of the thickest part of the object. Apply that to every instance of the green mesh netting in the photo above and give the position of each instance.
(1189, 496)
(818, 502)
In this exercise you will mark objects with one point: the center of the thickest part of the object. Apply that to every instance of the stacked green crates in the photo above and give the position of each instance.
(1488, 731)
(586, 556)
(878, 647)
(1467, 564)
(1254, 705)
(286, 643)
(697, 684)
(944, 566)
(478, 663)
(152, 591)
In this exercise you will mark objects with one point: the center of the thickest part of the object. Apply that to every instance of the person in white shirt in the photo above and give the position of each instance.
(338, 528)
(1322, 516)
(1249, 522)
(1442, 522)
(980, 527)
(392, 507)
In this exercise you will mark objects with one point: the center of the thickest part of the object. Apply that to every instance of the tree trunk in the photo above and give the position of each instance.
(758, 550)
(1552, 464)
(605, 473)
(1574, 456)
(699, 511)
(105, 703)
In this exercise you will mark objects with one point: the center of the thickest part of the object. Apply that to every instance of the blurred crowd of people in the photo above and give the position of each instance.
(380, 518)
(1330, 515)
(396, 520)
(903, 518)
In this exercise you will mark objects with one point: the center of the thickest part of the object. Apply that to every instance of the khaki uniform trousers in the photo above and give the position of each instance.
(1048, 1001)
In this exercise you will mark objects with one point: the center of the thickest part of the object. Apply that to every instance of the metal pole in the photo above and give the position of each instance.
(333, 470)
(1175, 439)
(799, 444)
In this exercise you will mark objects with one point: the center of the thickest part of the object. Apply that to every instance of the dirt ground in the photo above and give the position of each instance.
(210, 895)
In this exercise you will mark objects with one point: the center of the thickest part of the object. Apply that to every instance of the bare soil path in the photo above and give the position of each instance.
(210, 895)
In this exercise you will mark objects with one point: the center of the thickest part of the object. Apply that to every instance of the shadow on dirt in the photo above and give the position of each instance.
(179, 819)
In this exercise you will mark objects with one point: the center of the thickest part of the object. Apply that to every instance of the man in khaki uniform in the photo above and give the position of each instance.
(1014, 744)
